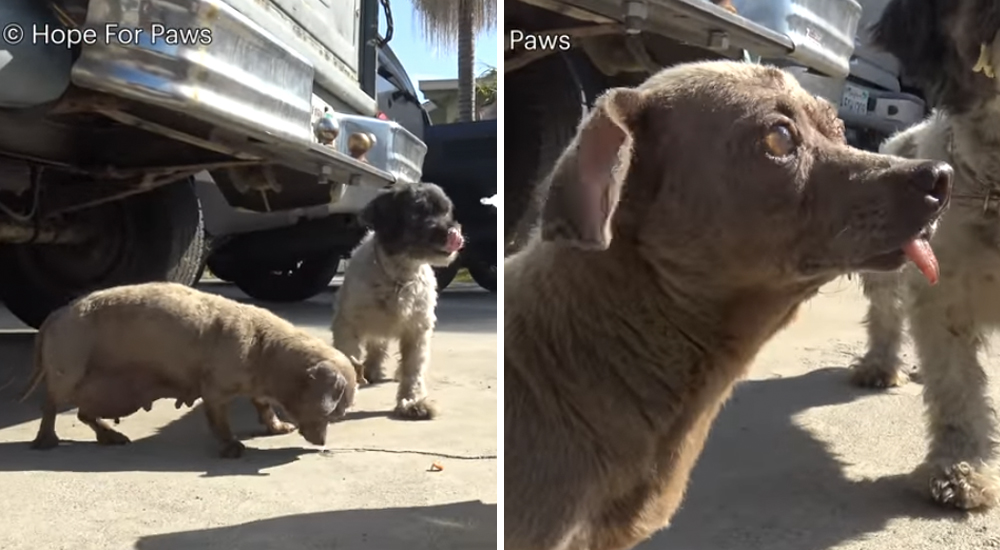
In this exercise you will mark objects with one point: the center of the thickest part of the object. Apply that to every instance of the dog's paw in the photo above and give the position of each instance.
(111, 437)
(377, 377)
(868, 373)
(45, 441)
(416, 409)
(279, 428)
(962, 485)
(233, 449)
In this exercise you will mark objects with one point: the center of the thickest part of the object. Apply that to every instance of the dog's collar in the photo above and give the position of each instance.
(398, 284)
(990, 190)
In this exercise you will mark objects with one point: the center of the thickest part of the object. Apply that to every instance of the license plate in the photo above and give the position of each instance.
(854, 100)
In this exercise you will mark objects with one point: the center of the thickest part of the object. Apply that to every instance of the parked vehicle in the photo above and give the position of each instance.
(462, 159)
(108, 115)
(292, 255)
(620, 42)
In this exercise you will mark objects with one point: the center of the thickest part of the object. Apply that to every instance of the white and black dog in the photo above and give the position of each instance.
(389, 291)
(948, 48)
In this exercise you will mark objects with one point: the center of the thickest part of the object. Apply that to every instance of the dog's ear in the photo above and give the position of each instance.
(911, 30)
(336, 387)
(586, 181)
(939, 44)
(377, 210)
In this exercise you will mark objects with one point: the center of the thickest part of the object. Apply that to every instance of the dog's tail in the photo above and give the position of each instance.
(38, 369)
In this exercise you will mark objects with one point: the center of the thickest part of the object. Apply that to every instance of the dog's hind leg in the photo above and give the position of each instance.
(411, 396)
(880, 366)
(106, 435)
(47, 437)
(960, 416)
(376, 352)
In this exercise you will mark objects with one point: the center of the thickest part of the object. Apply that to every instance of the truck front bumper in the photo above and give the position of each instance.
(204, 60)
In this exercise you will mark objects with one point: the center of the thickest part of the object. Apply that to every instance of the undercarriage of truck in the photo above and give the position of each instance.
(105, 119)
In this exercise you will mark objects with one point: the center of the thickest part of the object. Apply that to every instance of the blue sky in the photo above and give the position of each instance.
(419, 57)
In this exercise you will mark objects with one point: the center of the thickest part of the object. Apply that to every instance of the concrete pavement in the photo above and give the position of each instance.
(800, 460)
(371, 487)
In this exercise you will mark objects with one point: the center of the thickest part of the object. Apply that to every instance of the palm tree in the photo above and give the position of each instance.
(454, 24)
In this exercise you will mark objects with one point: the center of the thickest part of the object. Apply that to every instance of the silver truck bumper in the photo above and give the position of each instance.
(204, 59)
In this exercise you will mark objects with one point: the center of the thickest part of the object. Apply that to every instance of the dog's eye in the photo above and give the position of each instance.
(779, 141)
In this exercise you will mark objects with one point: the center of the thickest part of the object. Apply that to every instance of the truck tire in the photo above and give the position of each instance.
(445, 275)
(153, 236)
(293, 283)
(485, 275)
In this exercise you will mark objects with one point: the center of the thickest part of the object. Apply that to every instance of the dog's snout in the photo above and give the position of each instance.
(934, 180)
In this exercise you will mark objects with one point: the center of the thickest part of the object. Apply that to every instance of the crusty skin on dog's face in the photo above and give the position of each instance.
(951, 49)
(115, 351)
(389, 291)
(685, 224)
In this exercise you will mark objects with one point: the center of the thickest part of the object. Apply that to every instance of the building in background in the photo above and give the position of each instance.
(442, 99)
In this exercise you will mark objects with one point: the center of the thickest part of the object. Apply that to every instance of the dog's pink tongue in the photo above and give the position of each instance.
(920, 253)
(455, 240)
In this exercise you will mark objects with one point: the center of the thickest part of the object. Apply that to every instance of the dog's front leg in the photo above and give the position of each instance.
(961, 420)
(217, 411)
(347, 341)
(269, 419)
(376, 351)
(411, 396)
(880, 366)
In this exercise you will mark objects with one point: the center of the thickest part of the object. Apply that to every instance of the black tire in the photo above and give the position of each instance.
(292, 283)
(201, 271)
(223, 268)
(485, 275)
(445, 275)
(154, 236)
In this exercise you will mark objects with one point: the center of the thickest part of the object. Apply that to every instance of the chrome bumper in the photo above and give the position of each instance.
(225, 70)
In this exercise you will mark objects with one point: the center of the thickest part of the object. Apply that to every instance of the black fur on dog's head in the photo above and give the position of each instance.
(938, 43)
(416, 221)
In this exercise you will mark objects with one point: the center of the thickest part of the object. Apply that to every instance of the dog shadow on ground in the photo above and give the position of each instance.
(470, 525)
(765, 483)
(183, 445)
(465, 308)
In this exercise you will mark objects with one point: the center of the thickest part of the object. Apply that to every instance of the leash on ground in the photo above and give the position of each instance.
(331, 450)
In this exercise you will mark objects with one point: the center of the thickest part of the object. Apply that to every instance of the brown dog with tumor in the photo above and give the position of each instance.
(685, 224)
(117, 350)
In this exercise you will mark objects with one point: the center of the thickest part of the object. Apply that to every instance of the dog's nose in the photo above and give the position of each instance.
(934, 180)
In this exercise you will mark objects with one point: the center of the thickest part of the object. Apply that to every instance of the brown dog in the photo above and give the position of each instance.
(115, 351)
(685, 224)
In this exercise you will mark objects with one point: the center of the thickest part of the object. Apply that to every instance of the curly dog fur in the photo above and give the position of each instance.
(942, 46)
(389, 291)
